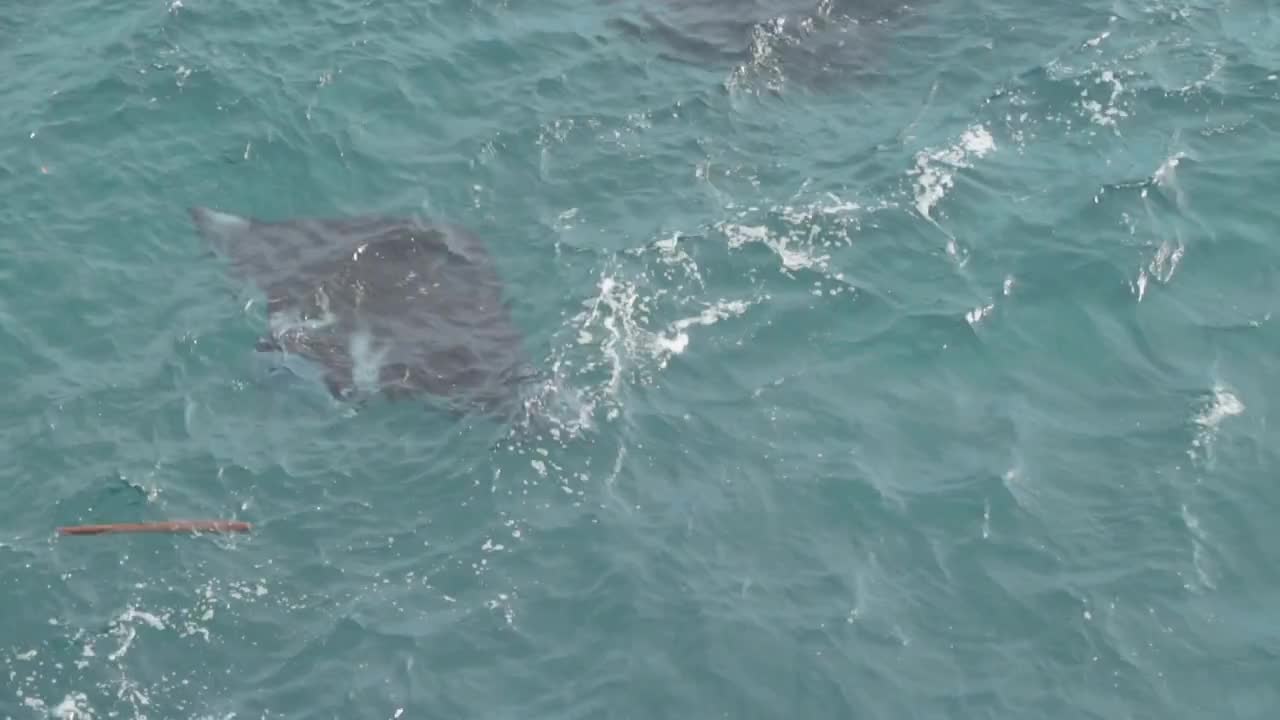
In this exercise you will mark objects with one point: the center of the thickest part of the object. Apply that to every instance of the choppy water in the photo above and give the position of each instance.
(905, 361)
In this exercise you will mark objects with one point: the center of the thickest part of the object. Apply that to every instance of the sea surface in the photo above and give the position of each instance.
(898, 360)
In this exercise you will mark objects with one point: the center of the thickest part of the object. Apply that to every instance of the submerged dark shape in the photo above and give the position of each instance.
(381, 304)
(815, 42)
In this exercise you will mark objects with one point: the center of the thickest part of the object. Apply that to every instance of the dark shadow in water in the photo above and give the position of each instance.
(820, 44)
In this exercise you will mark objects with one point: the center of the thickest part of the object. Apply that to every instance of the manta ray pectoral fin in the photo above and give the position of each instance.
(527, 373)
(268, 344)
(219, 229)
(209, 219)
(397, 380)
(339, 384)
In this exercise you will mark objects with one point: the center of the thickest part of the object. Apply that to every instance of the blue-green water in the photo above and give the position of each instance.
(905, 362)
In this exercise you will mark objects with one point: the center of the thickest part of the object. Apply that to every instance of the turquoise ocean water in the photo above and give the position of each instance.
(900, 361)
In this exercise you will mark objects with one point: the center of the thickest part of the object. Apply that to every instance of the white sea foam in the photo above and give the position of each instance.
(1224, 404)
(1107, 111)
(935, 169)
(1170, 247)
(1199, 556)
(793, 257)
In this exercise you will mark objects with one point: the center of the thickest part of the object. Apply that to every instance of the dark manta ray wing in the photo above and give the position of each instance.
(411, 306)
(435, 302)
(819, 44)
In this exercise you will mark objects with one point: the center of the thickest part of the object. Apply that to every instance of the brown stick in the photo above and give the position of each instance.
(162, 526)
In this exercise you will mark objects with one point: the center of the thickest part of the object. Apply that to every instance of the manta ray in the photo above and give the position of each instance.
(818, 43)
(395, 306)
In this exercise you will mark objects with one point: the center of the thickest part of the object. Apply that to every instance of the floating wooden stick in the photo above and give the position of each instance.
(161, 526)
